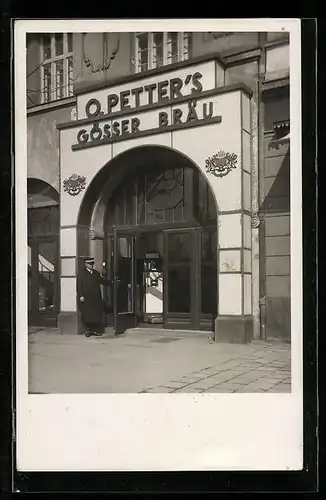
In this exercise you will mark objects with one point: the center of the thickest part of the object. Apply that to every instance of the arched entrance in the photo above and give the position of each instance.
(43, 253)
(155, 231)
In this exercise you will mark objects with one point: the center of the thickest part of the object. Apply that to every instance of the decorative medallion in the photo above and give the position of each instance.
(221, 163)
(74, 184)
(91, 234)
(100, 60)
(255, 221)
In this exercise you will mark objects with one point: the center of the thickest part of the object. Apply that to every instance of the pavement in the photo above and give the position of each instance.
(152, 362)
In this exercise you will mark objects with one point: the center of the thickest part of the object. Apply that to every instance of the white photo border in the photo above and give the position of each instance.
(92, 432)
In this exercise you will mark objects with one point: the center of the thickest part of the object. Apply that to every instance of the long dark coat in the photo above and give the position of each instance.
(89, 287)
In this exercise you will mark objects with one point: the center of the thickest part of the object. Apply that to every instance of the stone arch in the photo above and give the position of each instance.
(40, 193)
(92, 209)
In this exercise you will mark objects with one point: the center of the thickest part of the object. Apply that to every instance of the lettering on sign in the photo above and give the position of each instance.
(160, 92)
(113, 124)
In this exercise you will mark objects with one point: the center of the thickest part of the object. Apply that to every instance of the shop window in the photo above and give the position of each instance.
(154, 50)
(56, 66)
(43, 221)
(46, 262)
(277, 107)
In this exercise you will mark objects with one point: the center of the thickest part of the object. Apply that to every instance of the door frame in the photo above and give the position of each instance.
(192, 319)
(123, 320)
(195, 320)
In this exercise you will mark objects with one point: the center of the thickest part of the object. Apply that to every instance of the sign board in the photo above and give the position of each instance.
(152, 255)
(152, 105)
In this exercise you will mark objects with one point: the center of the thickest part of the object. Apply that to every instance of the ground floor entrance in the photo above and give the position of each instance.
(165, 278)
(168, 214)
(43, 265)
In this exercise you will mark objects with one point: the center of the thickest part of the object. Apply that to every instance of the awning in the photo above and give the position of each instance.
(280, 141)
(43, 264)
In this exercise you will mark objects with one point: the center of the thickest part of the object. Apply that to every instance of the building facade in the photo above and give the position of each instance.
(165, 156)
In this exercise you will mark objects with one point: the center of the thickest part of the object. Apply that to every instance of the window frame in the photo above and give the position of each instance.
(52, 60)
(181, 54)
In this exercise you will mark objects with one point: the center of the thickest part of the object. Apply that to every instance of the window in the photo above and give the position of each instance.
(56, 66)
(43, 221)
(149, 198)
(154, 50)
(163, 195)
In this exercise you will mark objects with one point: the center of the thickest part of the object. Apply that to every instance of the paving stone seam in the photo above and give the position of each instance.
(214, 385)
(282, 382)
(228, 369)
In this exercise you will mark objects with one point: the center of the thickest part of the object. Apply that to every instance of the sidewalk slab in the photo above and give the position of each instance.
(140, 362)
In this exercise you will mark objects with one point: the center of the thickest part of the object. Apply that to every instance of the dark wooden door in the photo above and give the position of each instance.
(181, 271)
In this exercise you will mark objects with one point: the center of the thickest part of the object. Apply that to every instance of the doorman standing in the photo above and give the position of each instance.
(90, 297)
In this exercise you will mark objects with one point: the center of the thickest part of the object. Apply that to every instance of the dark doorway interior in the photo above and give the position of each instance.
(43, 250)
(168, 217)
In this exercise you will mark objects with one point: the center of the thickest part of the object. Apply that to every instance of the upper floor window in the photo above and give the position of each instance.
(56, 66)
(154, 50)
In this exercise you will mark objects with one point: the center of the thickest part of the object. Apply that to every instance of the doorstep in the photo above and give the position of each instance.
(168, 331)
(36, 329)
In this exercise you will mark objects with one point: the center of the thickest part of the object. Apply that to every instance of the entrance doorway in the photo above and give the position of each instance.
(161, 279)
(43, 264)
(160, 251)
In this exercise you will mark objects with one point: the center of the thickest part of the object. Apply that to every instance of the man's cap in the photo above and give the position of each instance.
(89, 260)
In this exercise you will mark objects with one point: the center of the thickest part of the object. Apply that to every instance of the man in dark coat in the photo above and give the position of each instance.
(90, 297)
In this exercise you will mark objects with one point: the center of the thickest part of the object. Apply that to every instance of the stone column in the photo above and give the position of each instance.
(234, 321)
(68, 319)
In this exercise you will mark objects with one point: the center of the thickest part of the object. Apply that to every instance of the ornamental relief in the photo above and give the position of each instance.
(99, 50)
(255, 221)
(221, 163)
(74, 184)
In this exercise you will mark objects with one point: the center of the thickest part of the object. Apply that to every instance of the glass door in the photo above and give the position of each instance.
(181, 271)
(108, 290)
(124, 282)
